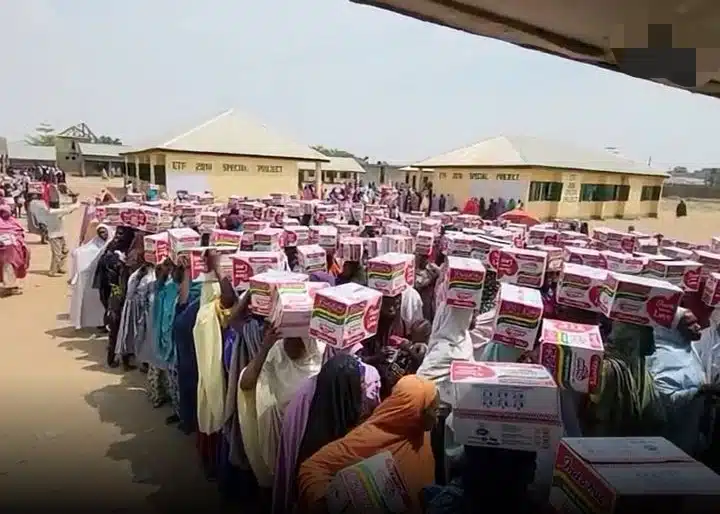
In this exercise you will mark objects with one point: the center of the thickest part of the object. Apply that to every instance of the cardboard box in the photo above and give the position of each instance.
(311, 258)
(222, 237)
(628, 475)
(245, 265)
(199, 271)
(325, 236)
(391, 273)
(463, 282)
(684, 274)
(709, 260)
(263, 287)
(351, 249)
(296, 235)
(616, 240)
(487, 250)
(622, 262)
(639, 300)
(373, 246)
(181, 240)
(397, 244)
(208, 221)
(580, 287)
(269, 240)
(573, 354)
(345, 315)
(676, 253)
(518, 316)
(711, 291)
(542, 236)
(424, 242)
(117, 214)
(521, 267)
(554, 256)
(292, 308)
(252, 210)
(156, 248)
(457, 244)
(715, 244)
(505, 405)
(372, 486)
(583, 256)
(432, 225)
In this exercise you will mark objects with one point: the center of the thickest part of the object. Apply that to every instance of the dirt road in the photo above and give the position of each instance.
(72, 431)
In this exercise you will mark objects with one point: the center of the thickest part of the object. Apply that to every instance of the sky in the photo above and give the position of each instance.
(324, 72)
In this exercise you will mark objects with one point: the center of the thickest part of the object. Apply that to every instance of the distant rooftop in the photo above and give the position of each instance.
(102, 150)
(337, 164)
(513, 151)
(233, 134)
(20, 150)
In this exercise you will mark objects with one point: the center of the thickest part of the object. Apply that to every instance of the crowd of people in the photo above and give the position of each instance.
(276, 418)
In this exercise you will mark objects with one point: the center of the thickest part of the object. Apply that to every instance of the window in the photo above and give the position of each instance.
(545, 192)
(443, 175)
(604, 193)
(650, 193)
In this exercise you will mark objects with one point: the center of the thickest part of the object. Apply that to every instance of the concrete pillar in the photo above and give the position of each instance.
(126, 176)
(152, 169)
(137, 169)
(82, 167)
(318, 179)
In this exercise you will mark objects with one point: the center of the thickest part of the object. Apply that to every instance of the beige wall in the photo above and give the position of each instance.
(458, 183)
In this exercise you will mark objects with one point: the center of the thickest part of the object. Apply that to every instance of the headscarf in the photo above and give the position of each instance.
(678, 373)
(396, 426)
(336, 406)
(708, 347)
(163, 316)
(627, 404)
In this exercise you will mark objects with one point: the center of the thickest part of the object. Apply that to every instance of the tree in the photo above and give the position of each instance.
(108, 140)
(332, 152)
(44, 136)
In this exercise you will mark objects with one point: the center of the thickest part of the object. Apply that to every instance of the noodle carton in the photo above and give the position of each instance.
(351, 249)
(684, 274)
(391, 273)
(676, 253)
(373, 246)
(711, 291)
(433, 225)
(639, 300)
(263, 287)
(424, 242)
(622, 262)
(222, 237)
(156, 248)
(248, 264)
(311, 258)
(345, 315)
(715, 244)
(580, 286)
(517, 317)
(395, 229)
(554, 256)
(292, 307)
(150, 219)
(208, 221)
(521, 267)
(584, 256)
(181, 240)
(463, 282)
(620, 475)
(372, 486)
(395, 243)
(325, 236)
(542, 236)
(199, 271)
(457, 244)
(116, 213)
(486, 250)
(269, 240)
(296, 235)
(252, 210)
(616, 240)
(505, 405)
(573, 354)
(709, 260)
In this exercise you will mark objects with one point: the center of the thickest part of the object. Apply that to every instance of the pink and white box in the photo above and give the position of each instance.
(252, 210)
(292, 308)
(312, 258)
(325, 236)
(116, 212)
(156, 248)
(397, 244)
(639, 300)
(709, 260)
(345, 315)
(463, 282)
(583, 256)
(248, 264)
(518, 316)
(622, 262)
(297, 235)
(542, 236)
(554, 256)
(457, 244)
(395, 229)
(391, 273)
(684, 274)
(181, 240)
(573, 354)
(263, 287)
(715, 244)
(580, 286)
(521, 267)
(199, 271)
(676, 253)
(222, 237)
(373, 246)
(486, 250)
(431, 225)
(351, 249)
(424, 242)
(269, 240)
(711, 291)
(208, 221)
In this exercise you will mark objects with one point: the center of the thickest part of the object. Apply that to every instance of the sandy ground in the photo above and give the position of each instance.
(72, 431)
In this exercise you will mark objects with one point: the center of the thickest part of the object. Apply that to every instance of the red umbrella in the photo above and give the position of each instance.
(519, 216)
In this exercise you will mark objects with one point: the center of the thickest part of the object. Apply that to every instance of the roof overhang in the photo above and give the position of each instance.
(146, 151)
(597, 33)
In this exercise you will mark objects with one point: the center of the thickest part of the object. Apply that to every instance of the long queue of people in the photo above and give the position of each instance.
(277, 418)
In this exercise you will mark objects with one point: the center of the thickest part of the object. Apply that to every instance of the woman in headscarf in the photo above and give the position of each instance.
(333, 265)
(627, 404)
(426, 276)
(325, 408)
(400, 425)
(14, 253)
(679, 378)
(266, 387)
(86, 310)
(352, 271)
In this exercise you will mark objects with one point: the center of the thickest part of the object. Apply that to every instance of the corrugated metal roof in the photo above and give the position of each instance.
(511, 151)
(232, 134)
(101, 150)
(20, 150)
(338, 164)
(413, 168)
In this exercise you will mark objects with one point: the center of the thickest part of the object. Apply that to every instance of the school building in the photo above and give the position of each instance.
(553, 180)
(337, 171)
(228, 155)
